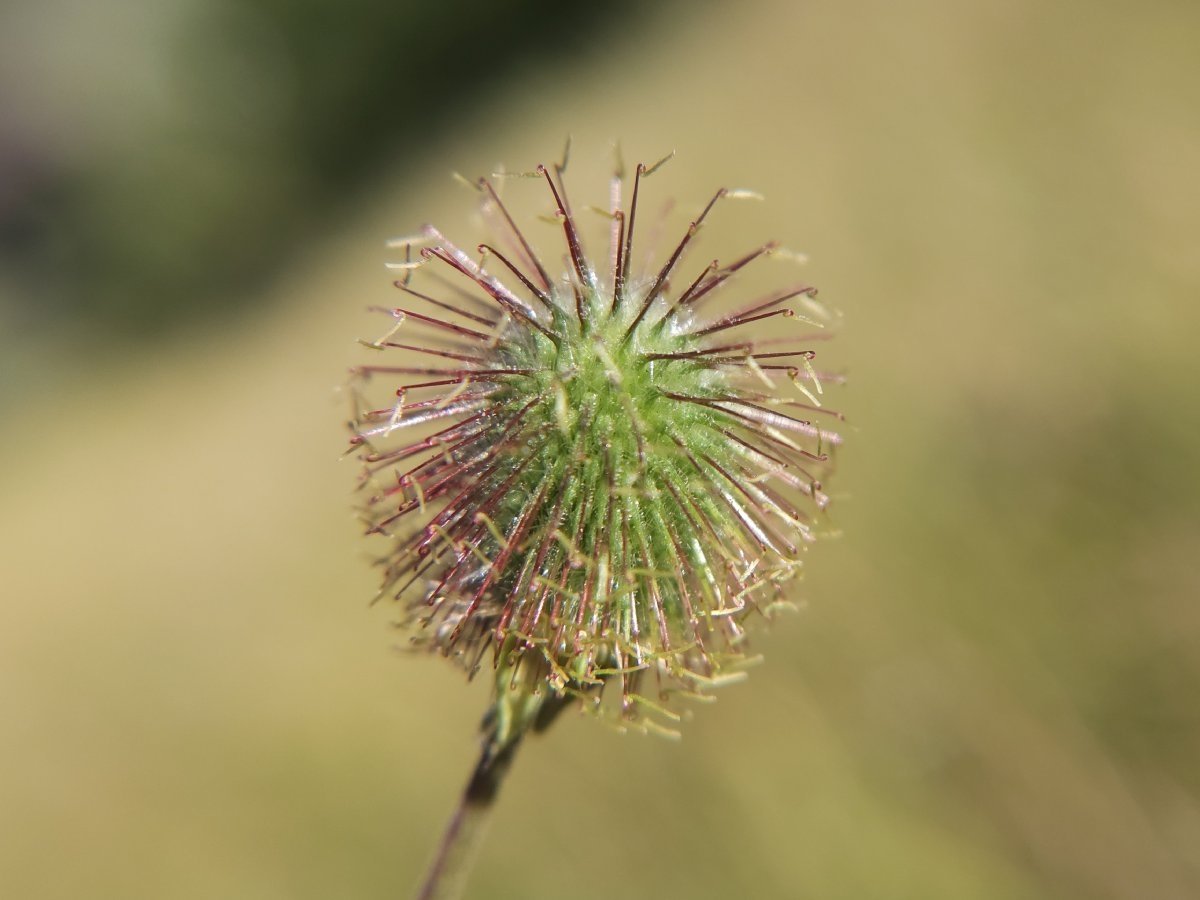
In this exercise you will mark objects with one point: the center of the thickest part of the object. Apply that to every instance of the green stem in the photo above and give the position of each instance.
(522, 704)
(447, 875)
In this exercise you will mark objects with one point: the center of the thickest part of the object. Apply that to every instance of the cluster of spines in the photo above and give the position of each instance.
(610, 482)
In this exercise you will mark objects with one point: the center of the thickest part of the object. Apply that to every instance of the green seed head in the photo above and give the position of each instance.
(592, 476)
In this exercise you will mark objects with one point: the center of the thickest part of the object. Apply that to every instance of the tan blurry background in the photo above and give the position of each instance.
(994, 688)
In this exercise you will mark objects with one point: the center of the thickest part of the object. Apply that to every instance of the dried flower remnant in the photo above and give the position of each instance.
(591, 475)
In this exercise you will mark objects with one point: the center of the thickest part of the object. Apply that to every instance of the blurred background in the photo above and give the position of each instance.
(993, 689)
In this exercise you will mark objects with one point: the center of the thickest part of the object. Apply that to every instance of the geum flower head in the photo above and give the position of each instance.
(591, 475)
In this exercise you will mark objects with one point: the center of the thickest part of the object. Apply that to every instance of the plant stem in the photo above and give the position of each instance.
(447, 875)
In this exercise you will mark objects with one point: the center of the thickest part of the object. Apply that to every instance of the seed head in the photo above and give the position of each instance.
(590, 474)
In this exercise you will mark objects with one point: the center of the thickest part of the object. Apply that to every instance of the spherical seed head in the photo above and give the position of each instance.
(592, 474)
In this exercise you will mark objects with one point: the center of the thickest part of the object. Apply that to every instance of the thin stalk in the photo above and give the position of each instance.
(447, 875)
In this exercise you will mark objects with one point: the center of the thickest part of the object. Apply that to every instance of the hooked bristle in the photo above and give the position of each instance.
(593, 472)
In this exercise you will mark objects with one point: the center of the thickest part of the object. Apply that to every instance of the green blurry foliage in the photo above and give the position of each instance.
(162, 160)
